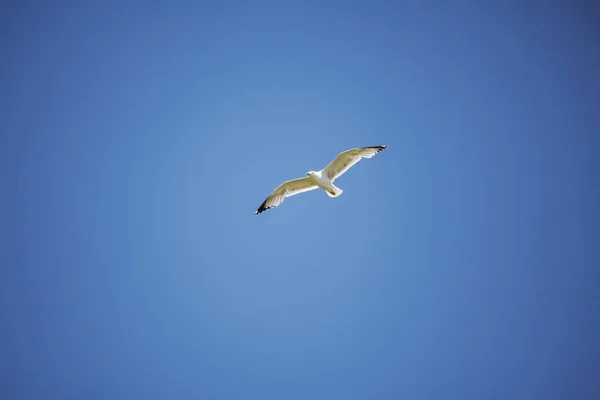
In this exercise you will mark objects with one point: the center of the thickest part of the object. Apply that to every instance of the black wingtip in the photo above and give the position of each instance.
(263, 207)
(379, 148)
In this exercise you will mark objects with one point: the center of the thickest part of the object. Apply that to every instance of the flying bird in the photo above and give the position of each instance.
(320, 179)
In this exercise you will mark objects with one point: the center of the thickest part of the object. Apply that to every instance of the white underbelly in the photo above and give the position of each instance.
(324, 184)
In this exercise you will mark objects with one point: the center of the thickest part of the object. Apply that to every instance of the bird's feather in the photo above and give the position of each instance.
(346, 159)
(286, 189)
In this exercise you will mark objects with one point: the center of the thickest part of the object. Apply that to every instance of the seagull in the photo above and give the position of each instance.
(320, 179)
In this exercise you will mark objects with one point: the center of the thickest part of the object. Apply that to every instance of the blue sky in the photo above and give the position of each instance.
(137, 141)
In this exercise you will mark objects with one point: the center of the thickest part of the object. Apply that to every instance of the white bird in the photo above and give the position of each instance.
(320, 179)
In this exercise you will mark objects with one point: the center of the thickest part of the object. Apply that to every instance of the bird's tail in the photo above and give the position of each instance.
(335, 191)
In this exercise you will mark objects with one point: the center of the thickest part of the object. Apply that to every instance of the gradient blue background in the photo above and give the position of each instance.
(138, 139)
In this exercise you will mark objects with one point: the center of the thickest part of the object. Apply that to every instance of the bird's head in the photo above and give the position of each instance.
(309, 173)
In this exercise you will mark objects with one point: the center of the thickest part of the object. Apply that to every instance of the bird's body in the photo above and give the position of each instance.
(320, 179)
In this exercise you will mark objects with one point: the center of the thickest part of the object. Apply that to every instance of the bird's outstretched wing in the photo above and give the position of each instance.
(286, 189)
(345, 160)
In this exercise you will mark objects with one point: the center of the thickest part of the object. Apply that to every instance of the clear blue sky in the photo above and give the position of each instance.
(138, 140)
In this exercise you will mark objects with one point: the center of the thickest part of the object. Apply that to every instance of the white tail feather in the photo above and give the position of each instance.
(336, 191)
